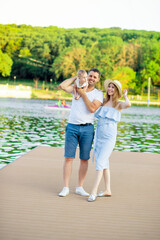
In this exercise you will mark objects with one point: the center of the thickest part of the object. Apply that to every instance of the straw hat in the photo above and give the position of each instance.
(116, 83)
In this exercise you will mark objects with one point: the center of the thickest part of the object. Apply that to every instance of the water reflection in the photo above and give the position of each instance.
(20, 134)
(26, 124)
(138, 137)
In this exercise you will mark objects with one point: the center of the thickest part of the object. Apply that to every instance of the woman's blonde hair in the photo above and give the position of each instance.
(114, 98)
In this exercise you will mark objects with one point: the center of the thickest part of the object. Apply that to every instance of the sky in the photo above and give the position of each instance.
(126, 14)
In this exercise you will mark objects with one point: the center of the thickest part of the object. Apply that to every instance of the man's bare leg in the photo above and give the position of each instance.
(82, 174)
(67, 170)
(82, 171)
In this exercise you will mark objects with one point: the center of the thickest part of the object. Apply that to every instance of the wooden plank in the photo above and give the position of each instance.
(31, 209)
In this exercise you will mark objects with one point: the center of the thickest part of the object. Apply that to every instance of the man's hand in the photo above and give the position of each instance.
(81, 91)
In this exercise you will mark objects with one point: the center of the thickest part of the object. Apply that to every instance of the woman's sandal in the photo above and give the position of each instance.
(101, 194)
(91, 198)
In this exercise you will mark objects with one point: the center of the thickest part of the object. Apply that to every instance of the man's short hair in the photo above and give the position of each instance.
(95, 70)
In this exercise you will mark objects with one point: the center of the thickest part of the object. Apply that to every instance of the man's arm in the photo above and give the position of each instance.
(66, 84)
(91, 106)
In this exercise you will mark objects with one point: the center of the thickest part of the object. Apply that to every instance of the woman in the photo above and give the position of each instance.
(105, 138)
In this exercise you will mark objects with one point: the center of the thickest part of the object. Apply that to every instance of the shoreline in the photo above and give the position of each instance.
(143, 103)
(27, 92)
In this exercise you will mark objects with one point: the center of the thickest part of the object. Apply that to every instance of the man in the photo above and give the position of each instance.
(80, 128)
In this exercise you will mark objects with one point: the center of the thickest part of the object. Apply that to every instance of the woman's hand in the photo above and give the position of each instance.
(125, 93)
(126, 103)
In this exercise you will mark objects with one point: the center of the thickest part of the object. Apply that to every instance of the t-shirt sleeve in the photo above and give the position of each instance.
(99, 96)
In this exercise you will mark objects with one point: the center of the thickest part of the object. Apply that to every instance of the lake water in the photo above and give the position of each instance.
(26, 124)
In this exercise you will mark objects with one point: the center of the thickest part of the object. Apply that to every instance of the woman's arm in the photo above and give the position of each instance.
(66, 84)
(126, 103)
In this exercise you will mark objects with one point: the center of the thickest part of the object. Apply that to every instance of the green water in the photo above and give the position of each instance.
(26, 124)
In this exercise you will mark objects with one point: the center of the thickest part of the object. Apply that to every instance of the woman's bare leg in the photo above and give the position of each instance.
(99, 175)
(107, 181)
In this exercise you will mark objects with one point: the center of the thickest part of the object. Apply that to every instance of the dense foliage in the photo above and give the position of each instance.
(45, 53)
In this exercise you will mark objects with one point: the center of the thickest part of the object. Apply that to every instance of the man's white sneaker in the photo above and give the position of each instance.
(64, 192)
(80, 191)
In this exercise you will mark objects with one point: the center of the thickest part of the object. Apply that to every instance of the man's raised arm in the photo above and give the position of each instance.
(66, 85)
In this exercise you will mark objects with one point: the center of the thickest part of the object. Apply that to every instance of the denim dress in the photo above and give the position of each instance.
(105, 136)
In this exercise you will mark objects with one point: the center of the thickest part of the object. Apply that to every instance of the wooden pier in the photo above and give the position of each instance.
(30, 208)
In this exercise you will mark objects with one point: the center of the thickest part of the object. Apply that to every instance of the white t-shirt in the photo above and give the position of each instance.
(79, 113)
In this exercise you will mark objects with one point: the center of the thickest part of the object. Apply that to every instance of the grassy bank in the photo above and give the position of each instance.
(52, 91)
(59, 94)
(48, 94)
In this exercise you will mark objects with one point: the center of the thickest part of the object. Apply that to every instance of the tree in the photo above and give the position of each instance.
(110, 48)
(24, 52)
(5, 64)
(129, 56)
(152, 70)
(34, 49)
(126, 76)
(13, 47)
(68, 63)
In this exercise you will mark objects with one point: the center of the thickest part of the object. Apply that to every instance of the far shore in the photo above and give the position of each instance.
(21, 91)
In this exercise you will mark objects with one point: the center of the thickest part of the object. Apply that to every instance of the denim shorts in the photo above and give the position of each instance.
(82, 135)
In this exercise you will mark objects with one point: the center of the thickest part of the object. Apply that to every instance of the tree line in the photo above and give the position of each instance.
(131, 56)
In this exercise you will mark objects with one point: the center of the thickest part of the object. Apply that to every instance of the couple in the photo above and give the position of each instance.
(80, 130)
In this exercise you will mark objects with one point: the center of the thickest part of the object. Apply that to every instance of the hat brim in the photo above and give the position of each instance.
(108, 81)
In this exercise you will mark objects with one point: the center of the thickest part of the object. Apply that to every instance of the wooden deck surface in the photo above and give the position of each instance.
(30, 208)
